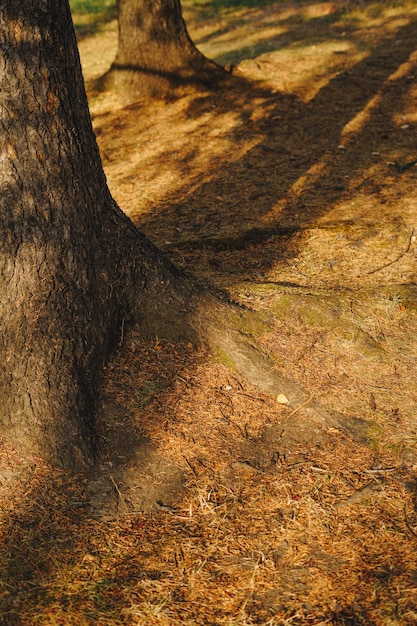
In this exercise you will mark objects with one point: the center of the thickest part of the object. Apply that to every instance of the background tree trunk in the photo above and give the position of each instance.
(73, 269)
(155, 54)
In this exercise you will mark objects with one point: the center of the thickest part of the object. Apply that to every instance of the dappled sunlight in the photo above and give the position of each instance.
(155, 169)
(258, 28)
(357, 123)
(304, 71)
(352, 253)
(309, 178)
(145, 173)
(389, 18)
(406, 68)
(227, 47)
(408, 113)
(310, 142)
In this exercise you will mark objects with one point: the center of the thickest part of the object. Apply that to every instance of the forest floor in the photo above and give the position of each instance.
(294, 192)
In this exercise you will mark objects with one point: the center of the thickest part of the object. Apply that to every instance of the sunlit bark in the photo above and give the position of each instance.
(155, 54)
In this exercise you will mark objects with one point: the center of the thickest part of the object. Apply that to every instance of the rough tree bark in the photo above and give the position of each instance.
(155, 54)
(73, 269)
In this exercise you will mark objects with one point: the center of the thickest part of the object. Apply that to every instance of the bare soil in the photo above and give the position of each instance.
(293, 191)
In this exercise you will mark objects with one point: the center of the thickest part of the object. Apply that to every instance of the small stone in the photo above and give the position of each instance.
(282, 399)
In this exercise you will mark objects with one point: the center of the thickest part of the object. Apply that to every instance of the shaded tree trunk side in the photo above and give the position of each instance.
(73, 269)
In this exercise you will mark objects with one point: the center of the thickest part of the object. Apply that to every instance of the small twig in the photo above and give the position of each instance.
(190, 466)
(119, 493)
(314, 468)
(309, 347)
(247, 395)
(407, 523)
(300, 407)
(378, 269)
(381, 470)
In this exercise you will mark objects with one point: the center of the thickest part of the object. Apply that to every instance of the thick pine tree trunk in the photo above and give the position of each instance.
(73, 269)
(155, 54)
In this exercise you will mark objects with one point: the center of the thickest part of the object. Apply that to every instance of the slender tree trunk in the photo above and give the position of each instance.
(73, 269)
(156, 55)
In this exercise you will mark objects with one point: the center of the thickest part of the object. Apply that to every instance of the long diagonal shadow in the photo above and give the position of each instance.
(299, 140)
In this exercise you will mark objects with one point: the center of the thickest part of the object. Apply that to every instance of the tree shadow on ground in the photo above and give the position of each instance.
(305, 155)
(295, 30)
(246, 491)
(55, 526)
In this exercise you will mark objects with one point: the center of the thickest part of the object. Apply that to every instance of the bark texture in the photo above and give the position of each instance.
(73, 269)
(155, 54)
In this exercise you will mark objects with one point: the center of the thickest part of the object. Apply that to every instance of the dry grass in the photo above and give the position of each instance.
(296, 193)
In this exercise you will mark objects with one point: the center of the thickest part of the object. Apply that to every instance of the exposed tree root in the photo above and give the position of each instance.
(127, 475)
(219, 329)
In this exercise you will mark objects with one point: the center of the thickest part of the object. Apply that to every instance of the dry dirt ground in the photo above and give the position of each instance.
(293, 190)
